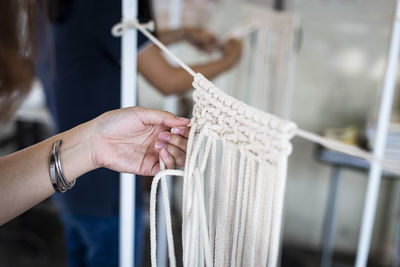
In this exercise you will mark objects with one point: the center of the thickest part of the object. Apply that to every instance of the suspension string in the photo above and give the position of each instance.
(121, 27)
(391, 166)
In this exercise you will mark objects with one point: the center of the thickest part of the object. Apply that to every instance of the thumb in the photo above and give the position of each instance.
(154, 116)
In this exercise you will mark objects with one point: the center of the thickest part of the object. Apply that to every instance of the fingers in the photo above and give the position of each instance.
(209, 41)
(233, 45)
(153, 116)
(179, 141)
(172, 146)
(202, 39)
(182, 131)
(171, 155)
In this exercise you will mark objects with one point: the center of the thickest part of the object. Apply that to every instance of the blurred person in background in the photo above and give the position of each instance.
(82, 80)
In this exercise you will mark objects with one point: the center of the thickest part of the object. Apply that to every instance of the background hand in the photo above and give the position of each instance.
(132, 139)
(200, 38)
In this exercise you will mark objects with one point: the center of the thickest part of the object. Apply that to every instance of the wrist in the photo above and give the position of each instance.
(184, 32)
(187, 33)
(228, 61)
(76, 153)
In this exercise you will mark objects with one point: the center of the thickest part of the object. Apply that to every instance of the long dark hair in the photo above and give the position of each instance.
(17, 33)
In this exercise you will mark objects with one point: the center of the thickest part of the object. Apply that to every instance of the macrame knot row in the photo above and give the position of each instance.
(234, 122)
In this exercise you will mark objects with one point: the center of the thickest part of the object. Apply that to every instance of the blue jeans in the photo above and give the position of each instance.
(93, 241)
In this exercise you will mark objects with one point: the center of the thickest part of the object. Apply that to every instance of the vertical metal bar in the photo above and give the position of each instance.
(171, 105)
(330, 220)
(385, 109)
(128, 99)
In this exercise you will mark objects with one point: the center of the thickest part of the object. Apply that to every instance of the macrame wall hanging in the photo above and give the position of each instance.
(234, 177)
(234, 182)
(246, 183)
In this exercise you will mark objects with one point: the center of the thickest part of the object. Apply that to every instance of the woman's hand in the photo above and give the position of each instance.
(132, 140)
(200, 38)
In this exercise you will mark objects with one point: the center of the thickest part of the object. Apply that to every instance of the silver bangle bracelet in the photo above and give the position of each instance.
(57, 178)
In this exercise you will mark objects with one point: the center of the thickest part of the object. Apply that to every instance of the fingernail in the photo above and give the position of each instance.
(164, 154)
(164, 136)
(160, 145)
(176, 130)
(182, 119)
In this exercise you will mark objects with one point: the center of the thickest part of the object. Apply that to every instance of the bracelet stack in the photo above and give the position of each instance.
(57, 178)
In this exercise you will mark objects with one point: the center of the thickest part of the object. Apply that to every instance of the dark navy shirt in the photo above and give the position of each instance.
(79, 66)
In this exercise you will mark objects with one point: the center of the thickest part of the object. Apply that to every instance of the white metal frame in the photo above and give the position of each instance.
(375, 173)
(128, 99)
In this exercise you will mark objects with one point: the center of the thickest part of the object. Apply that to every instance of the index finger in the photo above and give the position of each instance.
(183, 131)
(154, 116)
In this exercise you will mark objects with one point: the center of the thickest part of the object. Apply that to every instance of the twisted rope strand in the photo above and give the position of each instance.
(153, 201)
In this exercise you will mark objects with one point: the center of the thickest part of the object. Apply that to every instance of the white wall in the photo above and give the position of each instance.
(338, 74)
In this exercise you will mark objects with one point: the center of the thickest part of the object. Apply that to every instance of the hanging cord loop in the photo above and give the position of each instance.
(153, 200)
(119, 29)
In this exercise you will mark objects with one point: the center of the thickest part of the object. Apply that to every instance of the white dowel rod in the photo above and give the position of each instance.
(375, 173)
(128, 99)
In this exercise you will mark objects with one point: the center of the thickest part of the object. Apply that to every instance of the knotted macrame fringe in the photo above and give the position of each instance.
(234, 182)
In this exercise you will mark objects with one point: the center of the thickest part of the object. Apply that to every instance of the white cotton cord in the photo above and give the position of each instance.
(211, 221)
(189, 207)
(206, 155)
(186, 222)
(195, 253)
(222, 207)
(168, 220)
(119, 29)
(233, 184)
(153, 201)
(391, 166)
(249, 235)
(193, 241)
(267, 202)
(277, 210)
(243, 217)
(239, 207)
(203, 219)
(256, 233)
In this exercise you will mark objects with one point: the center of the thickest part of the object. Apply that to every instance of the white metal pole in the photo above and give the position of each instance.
(385, 109)
(171, 105)
(128, 99)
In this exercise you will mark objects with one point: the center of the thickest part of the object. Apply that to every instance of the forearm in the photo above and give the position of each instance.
(181, 81)
(169, 36)
(25, 177)
(174, 80)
